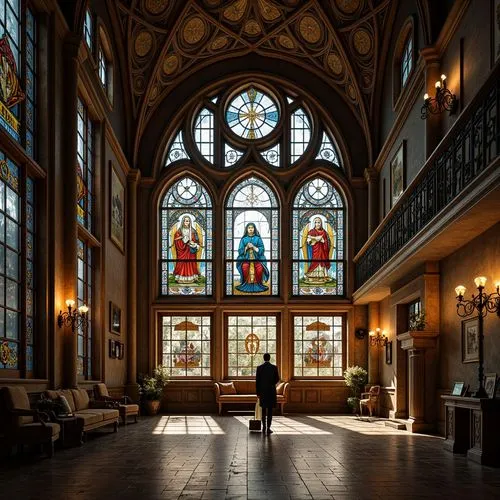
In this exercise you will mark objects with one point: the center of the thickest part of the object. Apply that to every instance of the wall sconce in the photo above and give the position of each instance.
(482, 304)
(73, 317)
(378, 337)
(360, 333)
(444, 100)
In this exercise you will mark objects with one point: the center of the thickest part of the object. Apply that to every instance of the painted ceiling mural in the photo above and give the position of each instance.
(339, 40)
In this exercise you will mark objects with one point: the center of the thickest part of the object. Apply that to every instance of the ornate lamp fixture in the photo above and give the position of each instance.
(482, 303)
(378, 338)
(444, 100)
(73, 317)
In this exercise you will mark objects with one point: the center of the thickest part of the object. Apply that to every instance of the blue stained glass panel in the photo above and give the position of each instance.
(29, 358)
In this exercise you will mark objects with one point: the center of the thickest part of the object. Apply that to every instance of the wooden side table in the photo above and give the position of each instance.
(71, 431)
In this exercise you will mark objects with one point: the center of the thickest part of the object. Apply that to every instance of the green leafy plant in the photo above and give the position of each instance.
(355, 378)
(417, 321)
(151, 388)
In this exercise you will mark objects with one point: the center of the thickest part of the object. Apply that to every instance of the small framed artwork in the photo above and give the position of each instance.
(115, 319)
(398, 172)
(470, 340)
(458, 389)
(388, 353)
(495, 31)
(117, 210)
(490, 382)
(112, 348)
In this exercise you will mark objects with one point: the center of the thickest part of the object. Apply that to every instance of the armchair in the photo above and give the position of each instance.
(21, 425)
(369, 399)
(123, 404)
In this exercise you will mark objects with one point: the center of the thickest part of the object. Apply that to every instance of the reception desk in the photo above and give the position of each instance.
(473, 428)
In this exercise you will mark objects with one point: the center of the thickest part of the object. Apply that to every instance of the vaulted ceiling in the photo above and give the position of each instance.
(341, 41)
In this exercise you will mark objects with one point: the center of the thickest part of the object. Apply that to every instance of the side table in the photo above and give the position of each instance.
(71, 431)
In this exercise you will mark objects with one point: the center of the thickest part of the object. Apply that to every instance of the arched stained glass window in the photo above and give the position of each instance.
(252, 239)
(204, 134)
(252, 114)
(318, 240)
(300, 134)
(186, 239)
(327, 151)
(176, 151)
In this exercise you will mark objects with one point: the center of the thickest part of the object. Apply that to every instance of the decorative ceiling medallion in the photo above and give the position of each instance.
(286, 42)
(252, 27)
(170, 64)
(269, 11)
(362, 42)
(156, 6)
(310, 29)
(335, 63)
(143, 43)
(194, 30)
(219, 43)
(235, 11)
(155, 92)
(139, 84)
(348, 6)
(366, 79)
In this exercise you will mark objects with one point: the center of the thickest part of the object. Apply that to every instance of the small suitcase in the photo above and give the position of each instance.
(255, 423)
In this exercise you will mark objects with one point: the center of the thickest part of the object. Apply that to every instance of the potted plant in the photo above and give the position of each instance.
(151, 389)
(417, 321)
(355, 378)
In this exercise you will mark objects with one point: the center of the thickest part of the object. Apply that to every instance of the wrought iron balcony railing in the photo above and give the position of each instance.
(466, 151)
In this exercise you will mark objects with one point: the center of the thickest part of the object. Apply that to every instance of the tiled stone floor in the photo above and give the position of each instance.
(192, 457)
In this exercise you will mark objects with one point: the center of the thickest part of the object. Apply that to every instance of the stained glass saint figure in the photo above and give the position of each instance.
(187, 248)
(317, 249)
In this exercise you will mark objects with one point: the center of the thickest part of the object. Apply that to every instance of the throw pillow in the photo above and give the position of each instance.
(280, 388)
(65, 405)
(227, 388)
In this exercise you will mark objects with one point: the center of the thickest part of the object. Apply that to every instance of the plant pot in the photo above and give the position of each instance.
(152, 407)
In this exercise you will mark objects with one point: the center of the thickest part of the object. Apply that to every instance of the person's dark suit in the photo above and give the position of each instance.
(266, 379)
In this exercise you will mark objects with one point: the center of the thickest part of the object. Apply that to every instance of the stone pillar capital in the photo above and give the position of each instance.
(134, 176)
(371, 175)
(430, 55)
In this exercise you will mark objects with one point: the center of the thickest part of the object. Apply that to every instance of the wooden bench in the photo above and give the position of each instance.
(246, 393)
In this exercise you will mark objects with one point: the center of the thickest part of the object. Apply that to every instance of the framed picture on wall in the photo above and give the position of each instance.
(117, 210)
(112, 348)
(495, 31)
(398, 171)
(458, 389)
(470, 340)
(490, 382)
(115, 319)
(388, 353)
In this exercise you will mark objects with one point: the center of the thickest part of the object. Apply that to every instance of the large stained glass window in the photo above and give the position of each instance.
(18, 47)
(185, 345)
(252, 239)
(85, 172)
(318, 240)
(186, 239)
(252, 114)
(16, 258)
(248, 339)
(84, 297)
(318, 346)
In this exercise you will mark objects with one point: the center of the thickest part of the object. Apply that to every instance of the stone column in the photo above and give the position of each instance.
(132, 186)
(373, 351)
(67, 217)
(372, 179)
(433, 130)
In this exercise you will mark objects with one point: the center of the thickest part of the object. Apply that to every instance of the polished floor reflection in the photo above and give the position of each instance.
(193, 457)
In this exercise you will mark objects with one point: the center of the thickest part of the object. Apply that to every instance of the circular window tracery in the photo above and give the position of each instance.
(252, 114)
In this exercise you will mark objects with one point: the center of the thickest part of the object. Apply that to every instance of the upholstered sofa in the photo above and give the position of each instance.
(123, 404)
(243, 391)
(93, 415)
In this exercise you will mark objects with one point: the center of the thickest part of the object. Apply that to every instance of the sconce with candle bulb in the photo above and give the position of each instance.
(443, 100)
(74, 318)
(378, 337)
(482, 304)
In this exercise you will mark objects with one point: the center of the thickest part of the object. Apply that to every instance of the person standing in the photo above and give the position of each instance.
(266, 379)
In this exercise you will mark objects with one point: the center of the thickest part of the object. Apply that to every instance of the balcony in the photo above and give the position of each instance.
(439, 210)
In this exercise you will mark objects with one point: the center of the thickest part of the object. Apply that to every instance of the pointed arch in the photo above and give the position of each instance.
(252, 238)
(318, 239)
(185, 236)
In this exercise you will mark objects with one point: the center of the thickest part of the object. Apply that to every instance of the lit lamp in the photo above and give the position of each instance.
(443, 100)
(378, 337)
(73, 317)
(482, 303)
